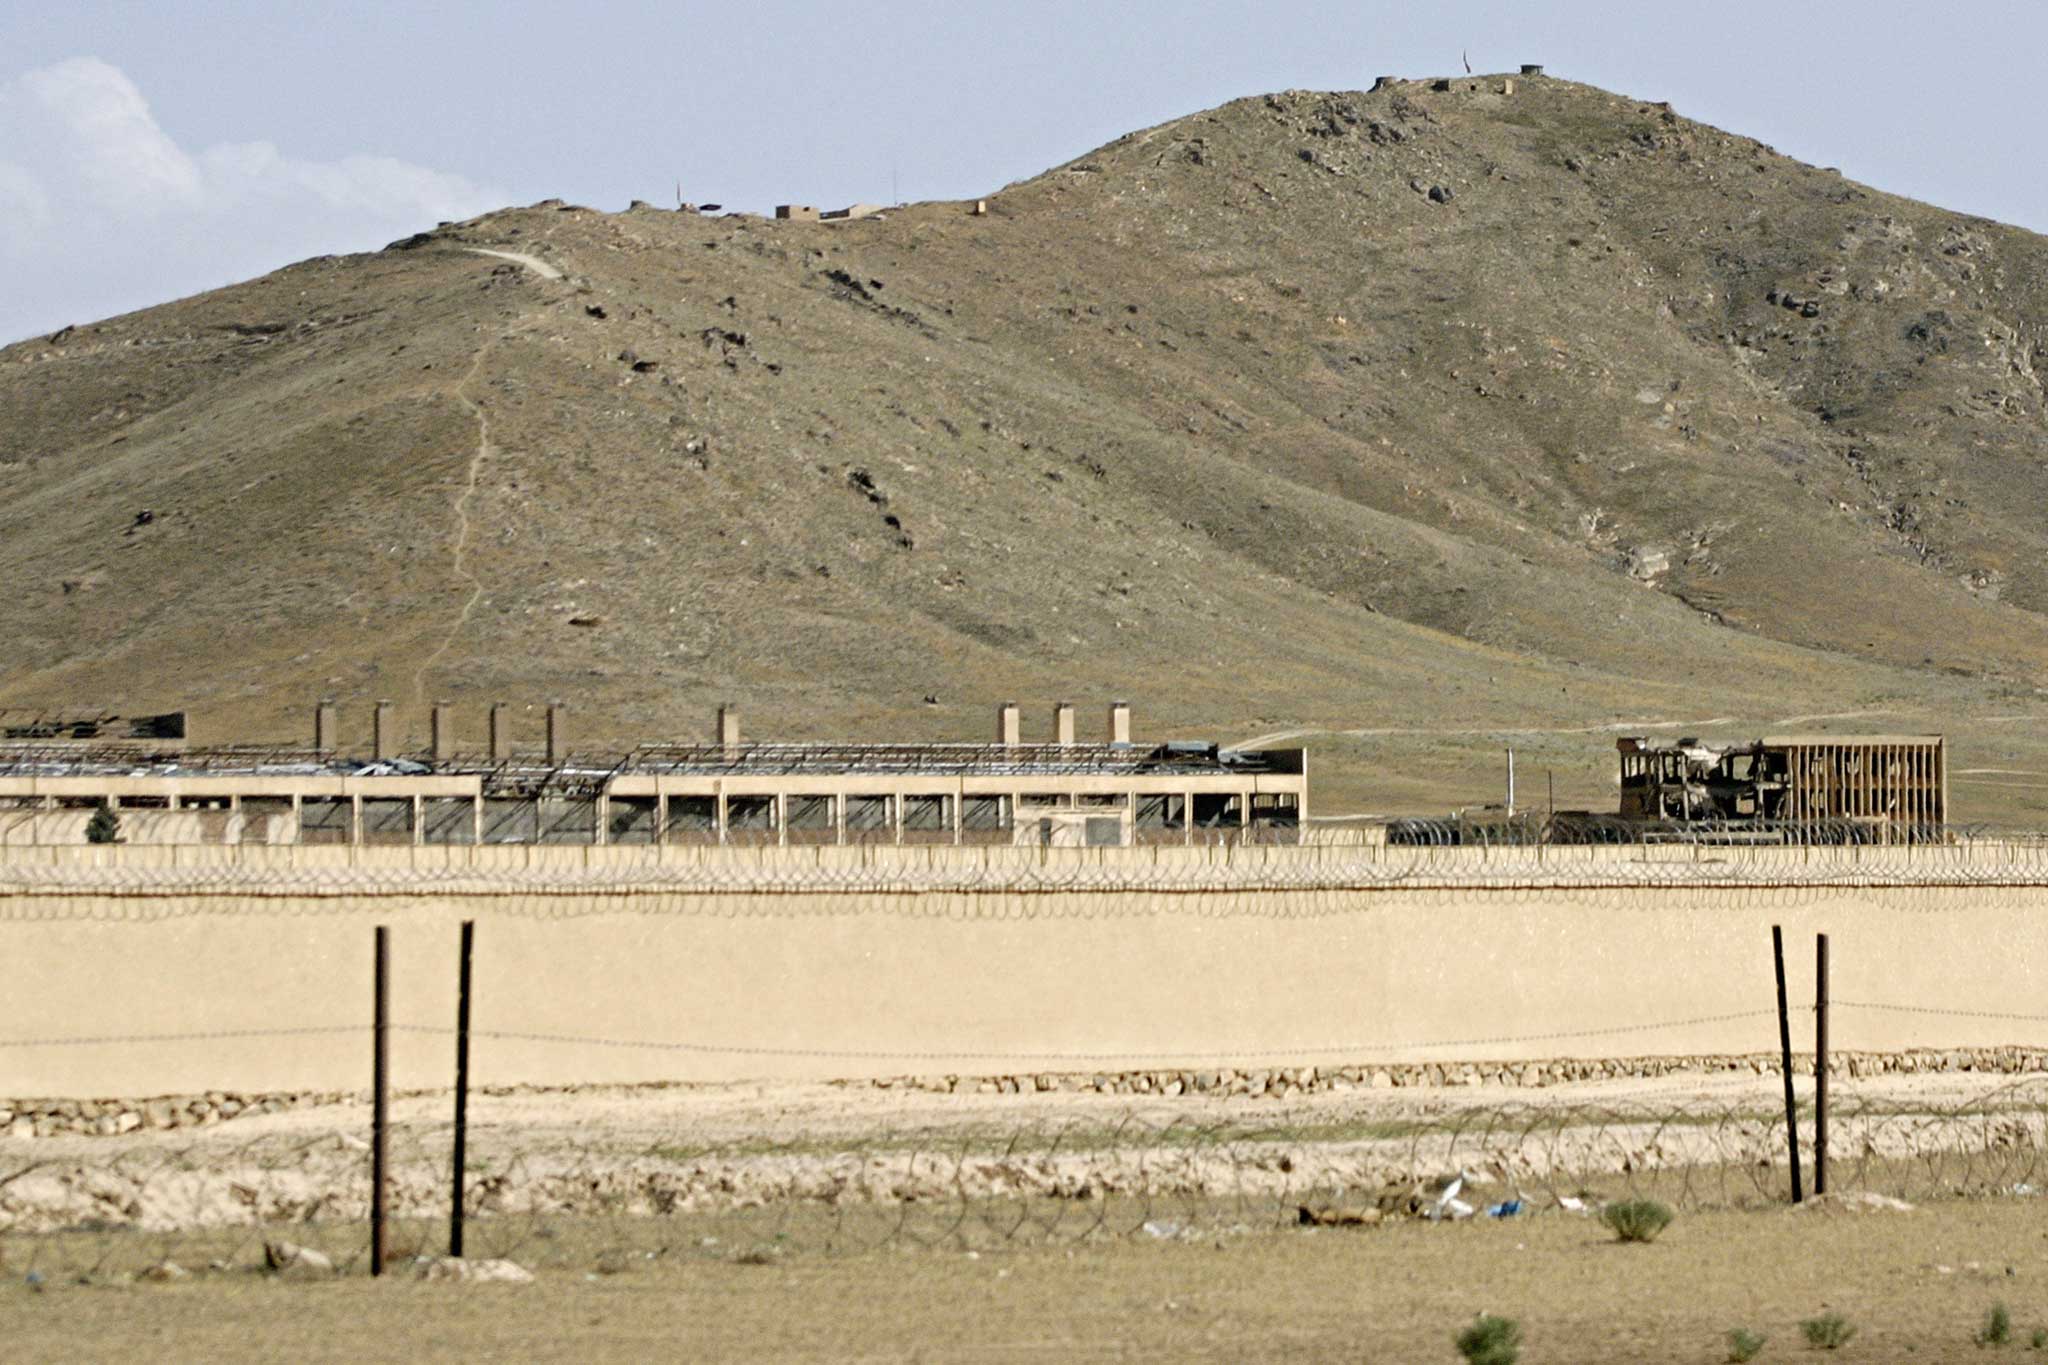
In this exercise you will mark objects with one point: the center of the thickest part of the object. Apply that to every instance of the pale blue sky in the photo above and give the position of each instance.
(151, 150)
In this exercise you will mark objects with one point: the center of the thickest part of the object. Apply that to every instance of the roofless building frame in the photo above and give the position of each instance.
(1066, 793)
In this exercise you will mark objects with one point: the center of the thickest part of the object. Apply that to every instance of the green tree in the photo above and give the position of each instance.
(104, 827)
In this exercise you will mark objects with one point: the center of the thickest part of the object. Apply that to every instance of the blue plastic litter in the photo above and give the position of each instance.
(1506, 1209)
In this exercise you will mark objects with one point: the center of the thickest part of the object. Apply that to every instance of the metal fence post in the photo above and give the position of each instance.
(461, 1086)
(1785, 1059)
(1820, 1065)
(380, 1096)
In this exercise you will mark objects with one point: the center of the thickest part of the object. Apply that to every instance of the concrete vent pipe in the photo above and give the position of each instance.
(1063, 723)
(729, 729)
(558, 732)
(442, 731)
(383, 732)
(323, 725)
(501, 733)
(1009, 726)
(1119, 722)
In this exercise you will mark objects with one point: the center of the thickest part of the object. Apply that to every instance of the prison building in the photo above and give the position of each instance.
(1064, 793)
(1897, 784)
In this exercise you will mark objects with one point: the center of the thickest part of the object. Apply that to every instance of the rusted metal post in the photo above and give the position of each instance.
(1820, 1065)
(461, 1085)
(380, 1096)
(1785, 1059)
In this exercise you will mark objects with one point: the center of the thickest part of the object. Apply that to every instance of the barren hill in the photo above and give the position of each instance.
(1423, 413)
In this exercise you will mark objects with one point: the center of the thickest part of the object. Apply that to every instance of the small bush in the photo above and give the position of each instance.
(2037, 1340)
(1637, 1220)
(104, 827)
(1828, 1332)
(1997, 1328)
(1490, 1341)
(1743, 1344)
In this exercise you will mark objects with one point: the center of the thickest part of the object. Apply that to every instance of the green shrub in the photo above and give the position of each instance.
(1637, 1220)
(104, 827)
(2038, 1339)
(1997, 1328)
(1828, 1332)
(1743, 1344)
(1490, 1341)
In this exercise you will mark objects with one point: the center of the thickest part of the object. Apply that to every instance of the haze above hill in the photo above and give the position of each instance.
(1432, 415)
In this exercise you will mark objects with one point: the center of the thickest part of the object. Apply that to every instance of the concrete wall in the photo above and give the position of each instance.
(1188, 960)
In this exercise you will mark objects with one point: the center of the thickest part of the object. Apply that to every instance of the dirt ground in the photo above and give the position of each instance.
(1914, 1285)
(794, 1222)
(908, 1167)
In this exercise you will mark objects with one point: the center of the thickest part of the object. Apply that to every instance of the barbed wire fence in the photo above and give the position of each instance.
(1223, 877)
(571, 1196)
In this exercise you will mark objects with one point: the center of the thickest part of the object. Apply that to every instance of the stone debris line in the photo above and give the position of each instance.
(25, 1119)
(1220, 881)
(567, 1199)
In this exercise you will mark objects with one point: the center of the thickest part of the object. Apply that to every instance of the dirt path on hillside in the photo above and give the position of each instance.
(459, 541)
(533, 263)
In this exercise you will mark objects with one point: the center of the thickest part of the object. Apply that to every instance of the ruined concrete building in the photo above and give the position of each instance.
(1065, 793)
(1899, 781)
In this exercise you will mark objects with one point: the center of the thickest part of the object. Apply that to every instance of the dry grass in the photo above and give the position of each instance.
(1261, 440)
(1394, 1293)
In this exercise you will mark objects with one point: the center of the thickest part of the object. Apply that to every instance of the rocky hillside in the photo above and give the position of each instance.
(1423, 414)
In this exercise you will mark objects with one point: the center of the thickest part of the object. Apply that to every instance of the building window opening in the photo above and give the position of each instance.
(692, 820)
(443, 820)
(927, 819)
(985, 819)
(1161, 819)
(325, 820)
(1276, 818)
(387, 820)
(750, 819)
(813, 820)
(867, 820)
(511, 820)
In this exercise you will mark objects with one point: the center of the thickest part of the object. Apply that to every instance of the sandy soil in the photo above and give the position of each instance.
(667, 1152)
(1914, 1285)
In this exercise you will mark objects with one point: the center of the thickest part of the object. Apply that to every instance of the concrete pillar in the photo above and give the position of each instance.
(1063, 723)
(383, 732)
(558, 734)
(324, 719)
(1009, 725)
(1119, 722)
(443, 727)
(501, 732)
(729, 729)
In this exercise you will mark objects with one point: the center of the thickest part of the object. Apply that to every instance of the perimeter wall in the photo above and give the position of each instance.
(139, 971)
